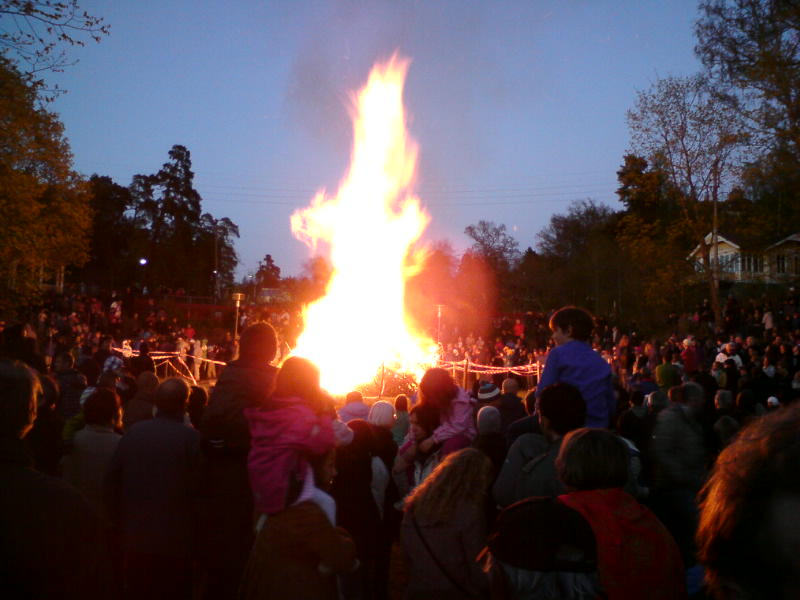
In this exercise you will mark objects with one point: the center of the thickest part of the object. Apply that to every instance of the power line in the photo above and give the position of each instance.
(486, 200)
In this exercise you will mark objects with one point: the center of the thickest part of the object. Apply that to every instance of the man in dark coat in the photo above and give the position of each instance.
(151, 489)
(530, 465)
(227, 504)
(679, 458)
(51, 541)
(71, 384)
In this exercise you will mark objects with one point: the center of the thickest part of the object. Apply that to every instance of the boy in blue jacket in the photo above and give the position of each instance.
(574, 362)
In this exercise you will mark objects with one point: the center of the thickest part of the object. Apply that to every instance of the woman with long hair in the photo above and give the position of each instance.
(444, 528)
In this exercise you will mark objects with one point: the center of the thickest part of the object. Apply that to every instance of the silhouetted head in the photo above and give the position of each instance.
(401, 403)
(437, 389)
(561, 408)
(258, 343)
(299, 378)
(171, 397)
(101, 407)
(19, 388)
(573, 321)
(592, 459)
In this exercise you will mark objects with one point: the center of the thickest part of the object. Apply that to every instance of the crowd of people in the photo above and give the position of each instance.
(518, 339)
(643, 468)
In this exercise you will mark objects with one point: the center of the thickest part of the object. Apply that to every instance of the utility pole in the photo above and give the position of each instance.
(216, 261)
(714, 194)
(439, 324)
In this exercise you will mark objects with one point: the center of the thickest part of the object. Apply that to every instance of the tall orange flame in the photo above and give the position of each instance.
(369, 227)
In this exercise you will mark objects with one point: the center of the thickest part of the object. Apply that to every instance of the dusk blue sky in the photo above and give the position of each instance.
(518, 107)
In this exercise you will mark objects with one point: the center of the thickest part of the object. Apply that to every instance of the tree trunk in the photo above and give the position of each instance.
(60, 279)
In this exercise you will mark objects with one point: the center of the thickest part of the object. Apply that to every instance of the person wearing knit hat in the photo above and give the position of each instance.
(382, 419)
(487, 392)
(382, 414)
(489, 420)
(384, 448)
(491, 440)
(114, 364)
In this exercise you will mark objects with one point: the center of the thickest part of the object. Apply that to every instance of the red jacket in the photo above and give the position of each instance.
(637, 556)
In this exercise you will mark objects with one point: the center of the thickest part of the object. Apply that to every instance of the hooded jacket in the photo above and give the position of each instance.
(280, 437)
(460, 419)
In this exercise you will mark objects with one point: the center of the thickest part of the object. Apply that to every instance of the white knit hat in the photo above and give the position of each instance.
(382, 414)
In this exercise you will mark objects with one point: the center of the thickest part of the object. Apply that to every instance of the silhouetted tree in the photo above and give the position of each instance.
(184, 246)
(34, 35)
(494, 244)
(268, 274)
(44, 204)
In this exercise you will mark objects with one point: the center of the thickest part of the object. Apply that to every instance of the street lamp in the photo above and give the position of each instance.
(143, 264)
(237, 298)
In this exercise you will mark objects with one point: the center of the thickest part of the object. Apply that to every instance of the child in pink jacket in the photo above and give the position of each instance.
(456, 411)
(293, 424)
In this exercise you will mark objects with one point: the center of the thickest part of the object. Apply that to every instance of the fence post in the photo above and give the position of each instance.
(466, 371)
(530, 371)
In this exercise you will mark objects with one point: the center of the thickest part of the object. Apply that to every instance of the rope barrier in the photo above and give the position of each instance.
(470, 367)
(460, 365)
(165, 359)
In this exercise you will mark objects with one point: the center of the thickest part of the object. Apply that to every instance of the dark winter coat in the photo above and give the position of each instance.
(51, 541)
(226, 500)
(71, 384)
(511, 409)
(288, 552)
(151, 487)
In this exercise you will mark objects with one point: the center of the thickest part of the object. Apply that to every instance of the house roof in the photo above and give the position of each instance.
(795, 237)
(720, 240)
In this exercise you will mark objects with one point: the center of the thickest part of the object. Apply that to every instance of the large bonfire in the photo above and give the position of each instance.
(369, 228)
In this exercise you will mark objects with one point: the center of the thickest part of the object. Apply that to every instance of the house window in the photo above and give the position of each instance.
(727, 263)
(780, 264)
(752, 263)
